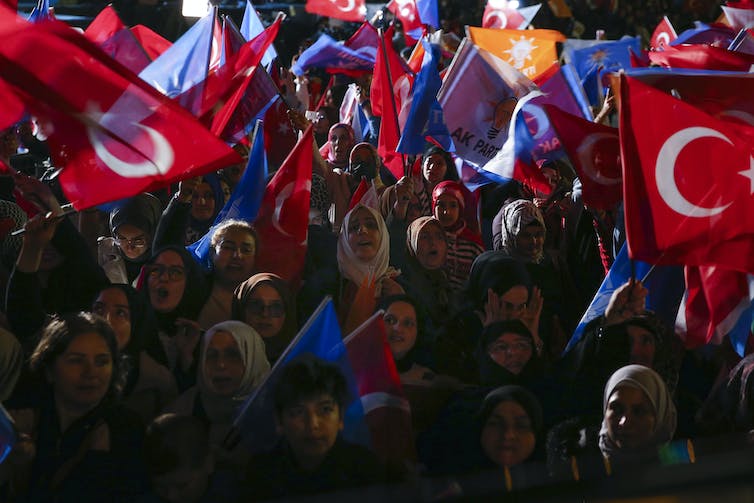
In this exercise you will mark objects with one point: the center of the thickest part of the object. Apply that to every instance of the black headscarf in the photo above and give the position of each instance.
(495, 270)
(490, 372)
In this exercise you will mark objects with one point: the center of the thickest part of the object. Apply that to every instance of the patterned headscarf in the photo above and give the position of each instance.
(514, 217)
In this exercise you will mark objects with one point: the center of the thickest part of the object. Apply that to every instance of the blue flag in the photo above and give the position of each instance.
(702, 33)
(185, 63)
(7, 434)
(40, 12)
(425, 117)
(429, 13)
(245, 200)
(251, 26)
(604, 57)
(321, 337)
(330, 54)
(665, 284)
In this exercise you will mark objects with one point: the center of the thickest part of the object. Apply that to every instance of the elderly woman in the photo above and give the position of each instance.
(76, 443)
(265, 302)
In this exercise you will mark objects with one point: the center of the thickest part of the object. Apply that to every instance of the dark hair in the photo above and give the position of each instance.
(451, 172)
(306, 377)
(61, 330)
(512, 393)
(492, 332)
(386, 302)
(173, 441)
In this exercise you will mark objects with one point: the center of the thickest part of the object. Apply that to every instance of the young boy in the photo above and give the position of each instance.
(311, 457)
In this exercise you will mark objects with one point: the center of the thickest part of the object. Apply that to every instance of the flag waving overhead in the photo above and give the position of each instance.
(702, 57)
(531, 52)
(689, 180)
(251, 26)
(109, 32)
(347, 10)
(283, 219)
(152, 43)
(119, 137)
(663, 35)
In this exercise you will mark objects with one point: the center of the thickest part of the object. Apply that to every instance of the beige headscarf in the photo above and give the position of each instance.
(350, 266)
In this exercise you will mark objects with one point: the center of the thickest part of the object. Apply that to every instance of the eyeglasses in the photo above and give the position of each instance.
(231, 248)
(275, 309)
(175, 273)
(405, 322)
(137, 242)
(502, 347)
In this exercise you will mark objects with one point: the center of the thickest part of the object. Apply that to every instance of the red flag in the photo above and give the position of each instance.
(688, 181)
(153, 43)
(365, 194)
(386, 409)
(108, 31)
(702, 57)
(283, 218)
(347, 10)
(279, 135)
(594, 151)
(112, 134)
(663, 35)
(408, 14)
(502, 17)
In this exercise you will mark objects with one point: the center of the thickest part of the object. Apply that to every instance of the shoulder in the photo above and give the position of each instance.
(184, 404)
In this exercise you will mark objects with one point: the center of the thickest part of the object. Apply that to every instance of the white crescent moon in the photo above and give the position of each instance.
(665, 172)
(585, 153)
(162, 159)
(738, 114)
(663, 39)
(282, 196)
(540, 117)
(351, 5)
(496, 14)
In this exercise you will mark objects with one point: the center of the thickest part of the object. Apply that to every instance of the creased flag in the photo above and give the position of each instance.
(108, 31)
(347, 10)
(251, 26)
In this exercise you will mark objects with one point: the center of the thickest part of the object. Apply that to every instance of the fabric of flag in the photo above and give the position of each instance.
(279, 135)
(425, 116)
(594, 151)
(688, 179)
(665, 285)
(531, 52)
(407, 12)
(283, 220)
(663, 35)
(152, 43)
(479, 128)
(717, 303)
(244, 202)
(113, 135)
(251, 26)
(601, 58)
(232, 40)
(7, 434)
(365, 194)
(387, 412)
(108, 31)
(321, 337)
(473, 177)
(744, 42)
(347, 10)
(739, 19)
(41, 12)
(717, 35)
(333, 56)
(233, 122)
(501, 15)
(702, 57)
(187, 62)
(429, 13)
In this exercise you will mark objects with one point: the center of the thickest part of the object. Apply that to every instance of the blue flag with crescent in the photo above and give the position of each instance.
(425, 117)
(244, 202)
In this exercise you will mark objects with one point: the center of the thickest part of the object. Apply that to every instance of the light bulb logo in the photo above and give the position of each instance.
(520, 51)
(501, 117)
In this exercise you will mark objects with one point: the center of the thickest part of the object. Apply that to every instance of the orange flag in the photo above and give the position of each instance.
(531, 52)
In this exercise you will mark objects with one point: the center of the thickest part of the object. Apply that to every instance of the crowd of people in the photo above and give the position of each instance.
(125, 360)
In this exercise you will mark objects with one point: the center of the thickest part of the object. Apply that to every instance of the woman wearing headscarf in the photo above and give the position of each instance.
(132, 229)
(499, 288)
(340, 141)
(464, 245)
(519, 231)
(507, 355)
(265, 302)
(232, 364)
(149, 386)
(177, 289)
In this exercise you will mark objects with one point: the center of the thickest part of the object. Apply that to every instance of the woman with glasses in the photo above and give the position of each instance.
(265, 302)
(507, 355)
(177, 289)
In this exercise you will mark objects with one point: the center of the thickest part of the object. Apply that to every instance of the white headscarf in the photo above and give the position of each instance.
(650, 382)
(353, 268)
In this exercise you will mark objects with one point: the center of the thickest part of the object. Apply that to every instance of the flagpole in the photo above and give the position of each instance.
(380, 33)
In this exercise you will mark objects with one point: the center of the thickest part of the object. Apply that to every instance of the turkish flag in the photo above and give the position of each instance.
(505, 17)
(108, 31)
(279, 135)
(153, 43)
(110, 132)
(663, 35)
(688, 182)
(347, 10)
(408, 14)
(283, 219)
(594, 151)
(702, 57)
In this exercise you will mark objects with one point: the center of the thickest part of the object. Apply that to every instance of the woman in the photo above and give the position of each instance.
(341, 140)
(423, 275)
(232, 365)
(464, 245)
(265, 302)
(76, 443)
(507, 355)
(148, 385)
(639, 416)
(363, 257)
(177, 290)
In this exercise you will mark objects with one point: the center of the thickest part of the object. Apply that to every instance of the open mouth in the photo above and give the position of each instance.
(396, 338)
(162, 293)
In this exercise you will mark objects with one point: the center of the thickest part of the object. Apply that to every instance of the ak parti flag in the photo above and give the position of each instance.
(531, 52)
(594, 151)
(347, 10)
(662, 36)
(283, 220)
(688, 182)
(111, 133)
(108, 31)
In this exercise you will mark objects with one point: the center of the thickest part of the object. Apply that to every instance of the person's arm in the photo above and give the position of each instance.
(172, 225)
